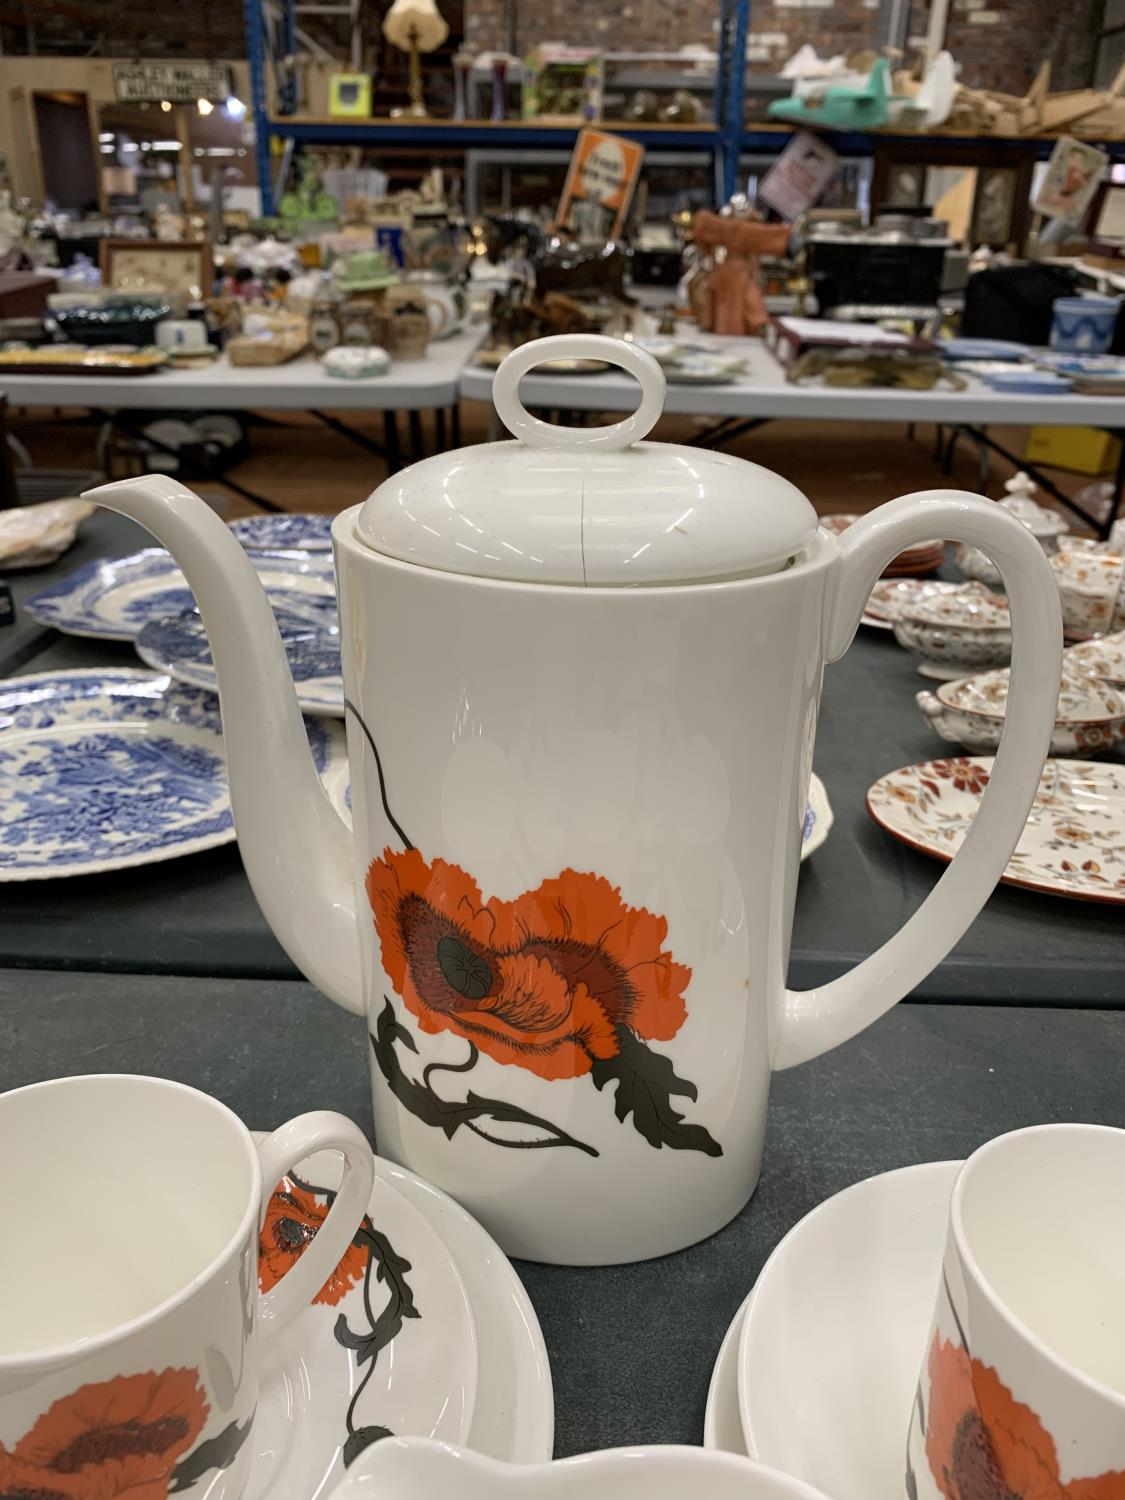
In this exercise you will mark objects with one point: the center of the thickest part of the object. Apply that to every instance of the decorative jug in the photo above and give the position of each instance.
(582, 673)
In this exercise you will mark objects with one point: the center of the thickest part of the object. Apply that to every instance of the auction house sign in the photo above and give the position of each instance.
(179, 83)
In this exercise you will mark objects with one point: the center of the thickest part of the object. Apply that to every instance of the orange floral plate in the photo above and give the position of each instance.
(829, 1346)
(1072, 845)
(388, 1346)
(513, 1415)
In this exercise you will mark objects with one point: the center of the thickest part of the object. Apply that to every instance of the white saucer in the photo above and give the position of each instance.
(833, 1335)
(320, 1401)
(309, 1379)
(722, 1421)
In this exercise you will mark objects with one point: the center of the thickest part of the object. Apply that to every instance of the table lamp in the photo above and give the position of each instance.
(415, 26)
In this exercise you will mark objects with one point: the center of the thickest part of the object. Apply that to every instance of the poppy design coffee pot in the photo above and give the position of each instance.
(582, 673)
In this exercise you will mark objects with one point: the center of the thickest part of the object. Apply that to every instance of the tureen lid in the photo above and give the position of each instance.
(593, 506)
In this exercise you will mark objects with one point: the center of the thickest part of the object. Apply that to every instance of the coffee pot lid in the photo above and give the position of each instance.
(587, 506)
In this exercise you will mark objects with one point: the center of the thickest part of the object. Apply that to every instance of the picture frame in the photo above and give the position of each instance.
(173, 267)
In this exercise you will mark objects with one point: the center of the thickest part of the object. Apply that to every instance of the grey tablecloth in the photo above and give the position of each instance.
(631, 1347)
(197, 916)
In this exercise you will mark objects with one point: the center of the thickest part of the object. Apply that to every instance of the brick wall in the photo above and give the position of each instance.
(999, 43)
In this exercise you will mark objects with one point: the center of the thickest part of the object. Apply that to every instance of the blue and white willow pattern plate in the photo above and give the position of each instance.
(104, 770)
(114, 599)
(818, 817)
(292, 533)
(310, 633)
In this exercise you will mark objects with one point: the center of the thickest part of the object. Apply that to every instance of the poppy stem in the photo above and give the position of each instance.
(391, 819)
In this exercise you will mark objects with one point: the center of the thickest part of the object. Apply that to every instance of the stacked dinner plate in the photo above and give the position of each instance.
(923, 557)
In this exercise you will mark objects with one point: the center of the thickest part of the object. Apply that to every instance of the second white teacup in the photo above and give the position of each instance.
(1022, 1389)
(130, 1316)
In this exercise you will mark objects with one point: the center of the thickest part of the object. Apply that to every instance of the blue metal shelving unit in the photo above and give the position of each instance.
(722, 140)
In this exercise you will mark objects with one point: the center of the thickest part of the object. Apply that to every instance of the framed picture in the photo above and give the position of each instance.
(994, 206)
(996, 182)
(175, 267)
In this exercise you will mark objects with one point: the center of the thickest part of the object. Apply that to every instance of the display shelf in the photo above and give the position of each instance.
(764, 137)
(323, 130)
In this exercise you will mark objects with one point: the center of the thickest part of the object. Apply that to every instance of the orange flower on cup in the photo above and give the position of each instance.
(293, 1217)
(116, 1438)
(542, 982)
(983, 1444)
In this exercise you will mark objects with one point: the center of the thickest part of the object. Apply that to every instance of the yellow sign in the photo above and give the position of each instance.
(600, 184)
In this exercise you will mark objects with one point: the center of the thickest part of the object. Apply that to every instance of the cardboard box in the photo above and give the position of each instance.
(1084, 450)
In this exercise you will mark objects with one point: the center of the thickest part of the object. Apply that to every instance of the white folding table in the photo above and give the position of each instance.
(761, 393)
(411, 386)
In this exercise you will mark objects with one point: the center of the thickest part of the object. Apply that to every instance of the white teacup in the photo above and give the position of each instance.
(420, 1469)
(130, 1317)
(1022, 1390)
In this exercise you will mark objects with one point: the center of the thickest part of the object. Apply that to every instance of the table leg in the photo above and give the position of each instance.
(455, 424)
(390, 442)
(439, 429)
(1102, 528)
(194, 466)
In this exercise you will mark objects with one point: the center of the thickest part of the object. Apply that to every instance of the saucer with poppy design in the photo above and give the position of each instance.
(389, 1345)
(307, 1419)
(831, 1340)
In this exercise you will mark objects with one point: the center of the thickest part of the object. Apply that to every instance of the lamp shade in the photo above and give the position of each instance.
(420, 16)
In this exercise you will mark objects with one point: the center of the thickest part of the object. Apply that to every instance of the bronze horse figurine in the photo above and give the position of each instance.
(561, 265)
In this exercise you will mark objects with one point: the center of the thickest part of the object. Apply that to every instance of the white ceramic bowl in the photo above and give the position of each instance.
(1091, 589)
(419, 1469)
(956, 632)
(970, 712)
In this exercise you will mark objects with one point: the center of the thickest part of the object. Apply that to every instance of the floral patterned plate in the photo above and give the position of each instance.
(513, 1415)
(310, 633)
(113, 600)
(890, 595)
(1074, 841)
(105, 770)
(388, 1346)
(284, 533)
(832, 1338)
(818, 817)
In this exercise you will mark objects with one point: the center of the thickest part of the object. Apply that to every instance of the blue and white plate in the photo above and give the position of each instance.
(982, 349)
(288, 533)
(1030, 382)
(105, 770)
(310, 633)
(818, 817)
(115, 599)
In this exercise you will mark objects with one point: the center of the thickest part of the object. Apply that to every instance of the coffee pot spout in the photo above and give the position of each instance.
(296, 849)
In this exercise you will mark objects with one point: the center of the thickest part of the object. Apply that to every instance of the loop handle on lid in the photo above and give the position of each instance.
(538, 434)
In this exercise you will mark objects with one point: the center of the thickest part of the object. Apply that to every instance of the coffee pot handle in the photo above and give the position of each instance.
(813, 1021)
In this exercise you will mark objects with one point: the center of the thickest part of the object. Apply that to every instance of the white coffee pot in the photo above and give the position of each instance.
(582, 673)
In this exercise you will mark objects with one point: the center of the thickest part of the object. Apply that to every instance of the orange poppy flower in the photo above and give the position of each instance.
(120, 1437)
(542, 981)
(293, 1218)
(20, 1480)
(982, 1444)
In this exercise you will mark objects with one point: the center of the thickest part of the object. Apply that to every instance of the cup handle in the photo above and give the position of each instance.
(815, 1020)
(279, 1153)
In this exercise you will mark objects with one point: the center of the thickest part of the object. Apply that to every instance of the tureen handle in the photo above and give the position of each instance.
(815, 1020)
(538, 434)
